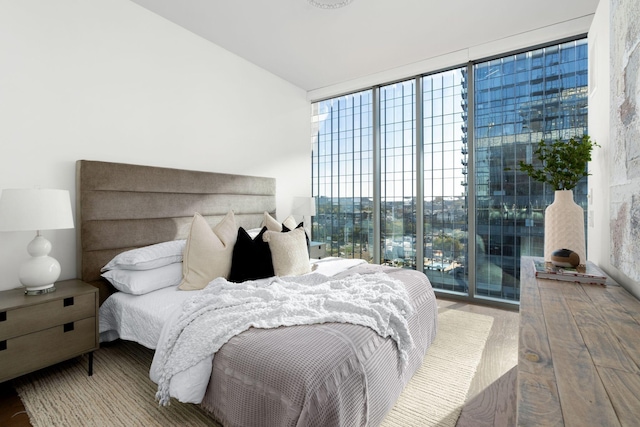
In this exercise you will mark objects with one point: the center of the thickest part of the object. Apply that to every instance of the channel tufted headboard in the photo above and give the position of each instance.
(122, 206)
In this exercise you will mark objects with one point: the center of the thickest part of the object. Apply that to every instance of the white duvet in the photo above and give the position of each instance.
(140, 318)
(189, 339)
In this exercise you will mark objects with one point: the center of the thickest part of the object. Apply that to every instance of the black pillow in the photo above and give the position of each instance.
(301, 225)
(251, 258)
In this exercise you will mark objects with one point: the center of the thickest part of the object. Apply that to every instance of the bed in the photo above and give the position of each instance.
(317, 375)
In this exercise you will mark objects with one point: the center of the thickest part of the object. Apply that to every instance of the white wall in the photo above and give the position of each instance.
(598, 211)
(109, 80)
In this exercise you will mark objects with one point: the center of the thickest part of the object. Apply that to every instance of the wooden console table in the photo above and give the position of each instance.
(578, 353)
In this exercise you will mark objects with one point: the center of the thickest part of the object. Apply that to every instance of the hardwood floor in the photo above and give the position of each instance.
(12, 413)
(491, 400)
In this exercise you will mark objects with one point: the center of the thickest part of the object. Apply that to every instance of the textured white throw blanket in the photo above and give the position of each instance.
(224, 309)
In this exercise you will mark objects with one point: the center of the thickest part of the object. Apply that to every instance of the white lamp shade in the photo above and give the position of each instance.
(35, 209)
(305, 206)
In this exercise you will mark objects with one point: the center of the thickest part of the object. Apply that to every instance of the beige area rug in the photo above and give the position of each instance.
(120, 393)
(437, 392)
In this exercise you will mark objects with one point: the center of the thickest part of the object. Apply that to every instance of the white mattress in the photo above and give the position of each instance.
(140, 318)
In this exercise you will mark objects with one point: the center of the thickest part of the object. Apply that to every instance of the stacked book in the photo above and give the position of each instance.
(587, 273)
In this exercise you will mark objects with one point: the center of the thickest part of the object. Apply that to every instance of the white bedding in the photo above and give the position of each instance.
(140, 318)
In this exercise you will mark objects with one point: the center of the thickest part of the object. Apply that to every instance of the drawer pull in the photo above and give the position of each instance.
(68, 301)
(68, 327)
(3, 345)
(3, 316)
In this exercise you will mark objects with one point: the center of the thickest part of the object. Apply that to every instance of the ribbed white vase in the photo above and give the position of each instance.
(564, 226)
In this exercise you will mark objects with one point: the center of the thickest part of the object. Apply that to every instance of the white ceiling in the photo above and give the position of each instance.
(315, 48)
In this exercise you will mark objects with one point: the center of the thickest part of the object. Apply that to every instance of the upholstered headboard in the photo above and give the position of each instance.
(121, 206)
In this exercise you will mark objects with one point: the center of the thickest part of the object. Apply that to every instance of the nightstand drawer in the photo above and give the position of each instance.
(36, 317)
(29, 352)
(317, 250)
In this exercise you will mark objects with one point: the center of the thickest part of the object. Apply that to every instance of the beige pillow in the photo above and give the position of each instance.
(289, 253)
(272, 224)
(208, 252)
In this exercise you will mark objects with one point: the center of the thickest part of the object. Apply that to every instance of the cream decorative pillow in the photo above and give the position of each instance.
(289, 253)
(208, 252)
(290, 222)
(272, 224)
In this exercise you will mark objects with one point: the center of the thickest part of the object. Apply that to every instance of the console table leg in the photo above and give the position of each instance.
(90, 364)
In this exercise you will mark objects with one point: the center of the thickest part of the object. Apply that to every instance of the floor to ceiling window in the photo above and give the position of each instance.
(398, 177)
(519, 100)
(445, 179)
(453, 140)
(342, 168)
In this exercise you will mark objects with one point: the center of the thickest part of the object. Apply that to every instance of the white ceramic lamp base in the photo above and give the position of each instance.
(39, 273)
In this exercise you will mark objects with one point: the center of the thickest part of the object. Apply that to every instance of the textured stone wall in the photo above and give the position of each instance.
(625, 137)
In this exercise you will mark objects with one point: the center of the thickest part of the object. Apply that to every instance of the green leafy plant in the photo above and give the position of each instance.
(561, 164)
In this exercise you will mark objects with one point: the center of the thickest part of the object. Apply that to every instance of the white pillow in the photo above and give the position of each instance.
(289, 252)
(253, 232)
(138, 282)
(272, 224)
(148, 257)
(208, 252)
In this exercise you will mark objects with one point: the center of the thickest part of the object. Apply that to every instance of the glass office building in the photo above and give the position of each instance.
(519, 101)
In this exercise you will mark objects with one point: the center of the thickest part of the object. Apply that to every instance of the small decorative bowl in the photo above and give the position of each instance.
(565, 258)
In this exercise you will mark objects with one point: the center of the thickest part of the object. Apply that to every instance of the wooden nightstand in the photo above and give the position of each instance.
(37, 331)
(317, 250)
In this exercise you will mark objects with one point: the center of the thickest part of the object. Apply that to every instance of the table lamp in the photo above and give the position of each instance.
(36, 209)
(306, 207)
